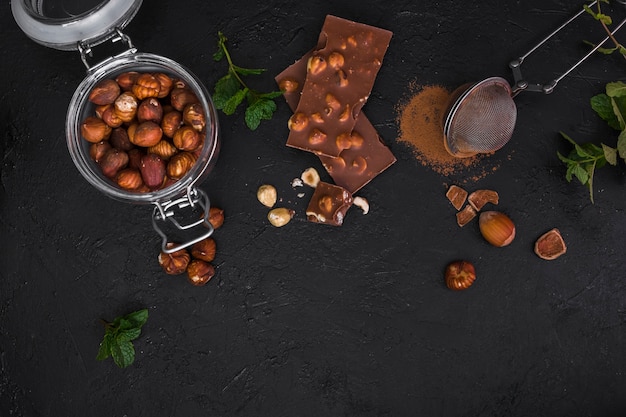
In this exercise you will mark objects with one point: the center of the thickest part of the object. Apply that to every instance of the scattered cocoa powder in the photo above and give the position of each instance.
(420, 121)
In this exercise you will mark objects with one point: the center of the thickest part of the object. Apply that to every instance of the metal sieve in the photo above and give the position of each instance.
(481, 117)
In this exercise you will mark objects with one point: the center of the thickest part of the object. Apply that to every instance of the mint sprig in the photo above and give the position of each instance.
(605, 20)
(585, 158)
(118, 337)
(231, 90)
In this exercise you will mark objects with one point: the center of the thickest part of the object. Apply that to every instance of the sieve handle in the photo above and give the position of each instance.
(515, 65)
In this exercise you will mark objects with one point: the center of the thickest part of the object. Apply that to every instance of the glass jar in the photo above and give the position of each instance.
(50, 24)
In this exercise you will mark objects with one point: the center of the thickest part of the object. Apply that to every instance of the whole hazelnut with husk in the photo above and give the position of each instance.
(174, 263)
(94, 129)
(497, 228)
(460, 275)
(204, 249)
(550, 245)
(200, 272)
(113, 161)
(104, 92)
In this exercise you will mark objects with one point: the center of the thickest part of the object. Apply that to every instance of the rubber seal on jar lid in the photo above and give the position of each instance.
(54, 24)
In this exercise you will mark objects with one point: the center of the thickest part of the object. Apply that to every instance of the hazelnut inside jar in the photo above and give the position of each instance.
(132, 96)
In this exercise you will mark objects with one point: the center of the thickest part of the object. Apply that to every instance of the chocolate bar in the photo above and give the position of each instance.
(338, 82)
(354, 167)
(329, 204)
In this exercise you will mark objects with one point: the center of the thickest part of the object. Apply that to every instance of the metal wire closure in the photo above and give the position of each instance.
(166, 212)
(85, 48)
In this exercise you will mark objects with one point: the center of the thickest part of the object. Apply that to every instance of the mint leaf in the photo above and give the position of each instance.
(118, 335)
(616, 89)
(602, 105)
(231, 90)
(610, 154)
(621, 145)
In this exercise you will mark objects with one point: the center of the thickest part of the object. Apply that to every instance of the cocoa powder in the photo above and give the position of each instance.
(420, 121)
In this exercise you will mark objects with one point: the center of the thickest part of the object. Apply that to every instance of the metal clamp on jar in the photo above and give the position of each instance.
(176, 199)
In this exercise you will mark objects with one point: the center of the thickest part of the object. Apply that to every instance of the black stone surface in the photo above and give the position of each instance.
(310, 320)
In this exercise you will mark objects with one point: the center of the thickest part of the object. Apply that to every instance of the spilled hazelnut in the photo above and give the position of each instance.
(200, 272)
(279, 217)
(497, 228)
(174, 263)
(460, 275)
(267, 195)
(204, 250)
(216, 217)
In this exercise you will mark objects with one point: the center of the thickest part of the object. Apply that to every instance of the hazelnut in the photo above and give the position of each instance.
(341, 78)
(171, 122)
(266, 194)
(165, 82)
(126, 80)
(336, 60)
(152, 170)
(94, 130)
(147, 134)
(288, 85)
(316, 64)
(119, 139)
(343, 141)
(113, 161)
(279, 217)
(97, 150)
(146, 85)
(204, 250)
(180, 97)
(310, 177)
(200, 272)
(129, 179)
(134, 158)
(317, 137)
(110, 117)
(104, 92)
(359, 164)
(298, 122)
(174, 263)
(193, 115)
(187, 139)
(460, 275)
(362, 203)
(164, 149)
(216, 217)
(126, 106)
(497, 228)
(180, 164)
(550, 245)
(150, 110)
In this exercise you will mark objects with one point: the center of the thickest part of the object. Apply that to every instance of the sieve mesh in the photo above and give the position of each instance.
(481, 120)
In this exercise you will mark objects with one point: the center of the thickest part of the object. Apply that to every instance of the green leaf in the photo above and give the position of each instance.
(123, 353)
(261, 109)
(616, 89)
(138, 318)
(619, 115)
(271, 95)
(128, 335)
(105, 347)
(232, 103)
(225, 88)
(610, 154)
(602, 105)
(218, 55)
(621, 145)
(580, 173)
(248, 71)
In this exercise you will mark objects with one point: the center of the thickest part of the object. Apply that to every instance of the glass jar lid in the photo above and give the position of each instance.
(65, 24)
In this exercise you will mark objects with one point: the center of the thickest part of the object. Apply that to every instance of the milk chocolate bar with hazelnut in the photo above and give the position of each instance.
(329, 204)
(354, 167)
(338, 82)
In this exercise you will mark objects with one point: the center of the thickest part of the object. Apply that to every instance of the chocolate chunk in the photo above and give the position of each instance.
(329, 204)
(354, 167)
(339, 79)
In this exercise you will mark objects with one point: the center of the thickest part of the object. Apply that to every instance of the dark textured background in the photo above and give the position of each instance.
(311, 320)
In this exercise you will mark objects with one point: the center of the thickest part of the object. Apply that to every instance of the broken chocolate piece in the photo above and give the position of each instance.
(354, 167)
(329, 204)
(479, 198)
(339, 79)
(457, 196)
(464, 216)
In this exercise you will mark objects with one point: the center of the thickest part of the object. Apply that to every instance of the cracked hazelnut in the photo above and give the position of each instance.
(113, 161)
(104, 92)
(180, 164)
(150, 110)
(204, 250)
(174, 263)
(187, 139)
(298, 122)
(460, 275)
(200, 272)
(94, 130)
(147, 134)
(152, 169)
(171, 122)
(146, 85)
(316, 64)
